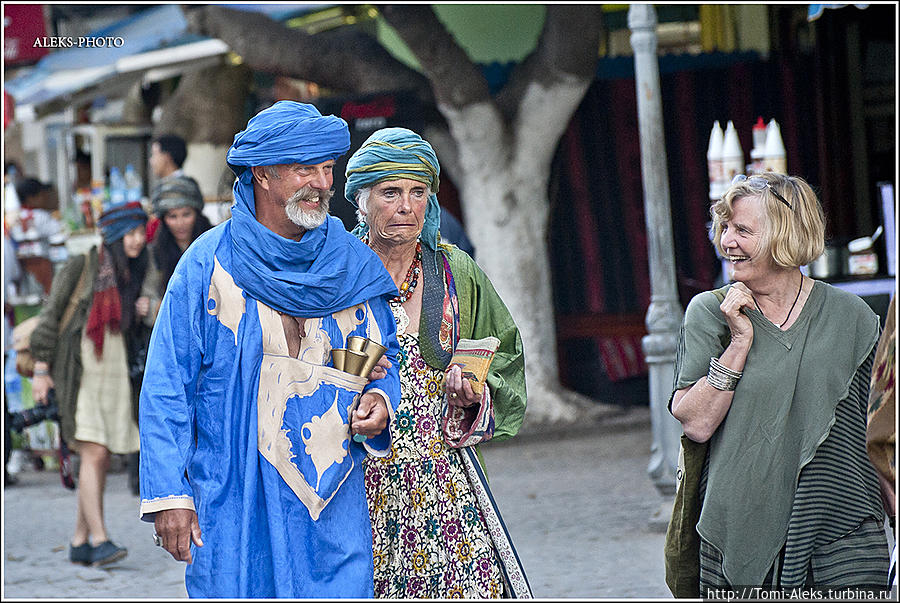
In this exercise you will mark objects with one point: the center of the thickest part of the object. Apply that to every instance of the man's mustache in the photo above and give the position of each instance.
(307, 193)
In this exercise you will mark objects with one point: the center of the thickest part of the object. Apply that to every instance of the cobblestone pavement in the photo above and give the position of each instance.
(577, 506)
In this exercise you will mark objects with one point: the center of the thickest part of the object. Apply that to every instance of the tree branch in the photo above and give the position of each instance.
(456, 81)
(345, 59)
(559, 54)
(446, 148)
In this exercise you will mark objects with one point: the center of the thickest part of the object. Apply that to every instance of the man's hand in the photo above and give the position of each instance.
(379, 371)
(177, 528)
(371, 415)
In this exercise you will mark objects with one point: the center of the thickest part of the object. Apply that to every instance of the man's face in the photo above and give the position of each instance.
(160, 162)
(304, 191)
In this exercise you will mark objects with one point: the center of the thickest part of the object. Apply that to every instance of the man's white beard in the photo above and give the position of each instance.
(312, 219)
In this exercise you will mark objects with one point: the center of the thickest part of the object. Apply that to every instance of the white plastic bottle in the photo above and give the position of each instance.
(774, 154)
(759, 147)
(10, 197)
(732, 155)
(714, 161)
(117, 189)
(133, 188)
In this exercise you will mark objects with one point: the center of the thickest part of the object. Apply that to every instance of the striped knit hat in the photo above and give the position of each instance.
(119, 220)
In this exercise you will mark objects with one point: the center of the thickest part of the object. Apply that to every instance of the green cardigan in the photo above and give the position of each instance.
(62, 350)
(483, 313)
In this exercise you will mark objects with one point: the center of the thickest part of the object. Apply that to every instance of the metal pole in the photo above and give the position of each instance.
(665, 313)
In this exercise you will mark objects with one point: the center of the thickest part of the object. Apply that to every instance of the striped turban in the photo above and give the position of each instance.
(391, 154)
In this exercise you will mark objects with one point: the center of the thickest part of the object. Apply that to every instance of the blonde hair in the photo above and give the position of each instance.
(792, 237)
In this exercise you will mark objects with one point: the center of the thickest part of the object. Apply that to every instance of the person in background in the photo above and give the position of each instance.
(34, 228)
(90, 364)
(881, 429)
(167, 155)
(436, 532)
(11, 274)
(178, 204)
(772, 371)
(252, 441)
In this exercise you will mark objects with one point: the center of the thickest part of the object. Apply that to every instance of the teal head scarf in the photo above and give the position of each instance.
(390, 154)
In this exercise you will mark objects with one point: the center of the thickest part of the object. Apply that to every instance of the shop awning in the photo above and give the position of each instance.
(153, 43)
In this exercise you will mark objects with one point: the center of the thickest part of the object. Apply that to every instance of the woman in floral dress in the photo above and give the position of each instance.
(436, 531)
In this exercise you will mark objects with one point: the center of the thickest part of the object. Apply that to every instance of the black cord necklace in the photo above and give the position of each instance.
(789, 311)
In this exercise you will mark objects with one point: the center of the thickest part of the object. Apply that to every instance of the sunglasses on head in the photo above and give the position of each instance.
(759, 183)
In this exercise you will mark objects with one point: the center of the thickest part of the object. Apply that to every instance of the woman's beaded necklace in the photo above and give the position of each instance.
(408, 286)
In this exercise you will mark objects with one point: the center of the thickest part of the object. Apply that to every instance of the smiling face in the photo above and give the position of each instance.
(396, 211)
(741, 240)
(304, 191)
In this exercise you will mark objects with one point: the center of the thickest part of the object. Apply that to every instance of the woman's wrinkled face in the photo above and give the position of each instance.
(134, 241)
(180, 222)
(396, 211)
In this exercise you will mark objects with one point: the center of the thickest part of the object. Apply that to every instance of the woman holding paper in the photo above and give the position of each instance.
(436, 532)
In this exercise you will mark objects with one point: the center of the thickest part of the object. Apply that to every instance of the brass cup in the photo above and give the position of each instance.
(356, 343)
(374, 352)
(354, 362)
(339, 355)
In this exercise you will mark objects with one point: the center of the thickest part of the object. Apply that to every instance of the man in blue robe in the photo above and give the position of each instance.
(251, 440)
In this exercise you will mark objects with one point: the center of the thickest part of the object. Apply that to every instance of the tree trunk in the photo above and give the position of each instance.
(499, 147)
(503, 190)
(207, 110)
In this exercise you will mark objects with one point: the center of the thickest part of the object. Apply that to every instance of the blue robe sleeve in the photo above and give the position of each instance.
(389, 385)
(166, 420)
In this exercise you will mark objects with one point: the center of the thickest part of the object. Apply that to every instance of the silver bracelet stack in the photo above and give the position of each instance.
(721, 377)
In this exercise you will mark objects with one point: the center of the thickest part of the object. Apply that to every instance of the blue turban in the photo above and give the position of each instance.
(390, 154)
(328, 269)
(288, 132)
(119, 220)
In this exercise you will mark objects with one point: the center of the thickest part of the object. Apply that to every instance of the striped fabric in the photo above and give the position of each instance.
(621, 356)
(835, 528)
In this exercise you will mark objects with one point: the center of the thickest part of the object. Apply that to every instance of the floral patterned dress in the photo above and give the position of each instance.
(430, 539)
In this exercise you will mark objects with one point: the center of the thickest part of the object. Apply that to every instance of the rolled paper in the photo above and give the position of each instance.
(338, 355)
(374, 352)
(354, 362)
(356, 343)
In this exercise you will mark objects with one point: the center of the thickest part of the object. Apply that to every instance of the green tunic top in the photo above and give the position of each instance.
(62, 349)
(783, 409)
